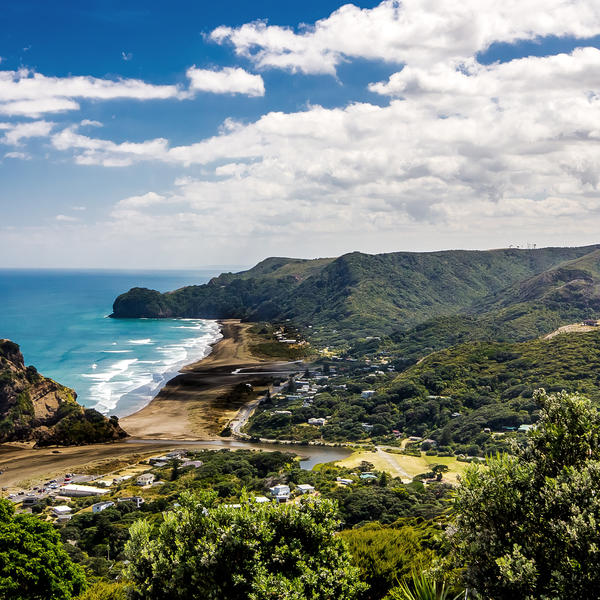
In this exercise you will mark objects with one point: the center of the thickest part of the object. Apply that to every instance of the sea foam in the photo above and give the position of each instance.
(123, 386)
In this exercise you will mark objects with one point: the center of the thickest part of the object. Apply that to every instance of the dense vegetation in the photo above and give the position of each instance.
(33, 562)
(359, 294)
(33, 407)
(527, 525)
(468, 398)
(254, 551)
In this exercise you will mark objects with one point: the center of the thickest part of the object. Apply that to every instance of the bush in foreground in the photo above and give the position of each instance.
(254, 551)
(528, 525)
(33, 563)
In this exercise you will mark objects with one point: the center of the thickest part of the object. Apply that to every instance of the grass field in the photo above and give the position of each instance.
(403, 465)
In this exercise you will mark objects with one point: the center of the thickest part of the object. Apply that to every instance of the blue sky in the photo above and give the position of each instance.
(147, 135)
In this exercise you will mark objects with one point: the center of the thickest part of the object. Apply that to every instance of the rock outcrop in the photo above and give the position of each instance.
(35, 408)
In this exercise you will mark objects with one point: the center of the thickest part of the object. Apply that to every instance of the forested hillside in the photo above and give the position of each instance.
(359, 294)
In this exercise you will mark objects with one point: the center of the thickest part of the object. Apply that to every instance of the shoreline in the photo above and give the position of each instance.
(194, 405)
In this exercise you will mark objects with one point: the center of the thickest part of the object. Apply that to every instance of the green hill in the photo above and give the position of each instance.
(490, 385)
(567, 293)
(360, 294)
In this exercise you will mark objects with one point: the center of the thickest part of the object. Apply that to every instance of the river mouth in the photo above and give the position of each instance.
(310, 455)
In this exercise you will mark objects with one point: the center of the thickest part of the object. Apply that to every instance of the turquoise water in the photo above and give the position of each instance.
(59, 318)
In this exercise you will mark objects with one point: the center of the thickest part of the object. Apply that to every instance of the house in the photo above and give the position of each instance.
(121, 479)
(367, 393)
(305, 488)
(591, 323)
(281, 492)
(145, 479)
(282, 412)
(100, 506)
(137, 500)
(525, 427)
(176, 454)
(72, 489)
(192, 463)
(317, 421)
(261, 499)
(344, 481)
(62, 513)
(368, 476)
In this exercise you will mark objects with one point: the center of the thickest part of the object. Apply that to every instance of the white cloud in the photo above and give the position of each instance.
(462, 150)
(93, 151)
(27, 93)
(226, 81)
(88, 123)
(412, 31)
(18, 155)
(66, 218)
(19, 131)
(126, 56)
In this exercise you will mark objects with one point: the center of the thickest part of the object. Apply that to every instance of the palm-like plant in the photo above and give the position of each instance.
(422, 587)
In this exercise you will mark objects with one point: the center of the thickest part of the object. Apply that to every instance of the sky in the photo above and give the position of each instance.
(183, 134)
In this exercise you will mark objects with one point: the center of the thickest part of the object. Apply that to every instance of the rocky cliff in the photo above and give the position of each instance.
(35, 408)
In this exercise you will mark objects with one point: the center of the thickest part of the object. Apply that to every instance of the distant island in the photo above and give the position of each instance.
(36, 409)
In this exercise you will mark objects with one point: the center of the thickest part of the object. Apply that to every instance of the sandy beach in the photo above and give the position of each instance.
(193, 406)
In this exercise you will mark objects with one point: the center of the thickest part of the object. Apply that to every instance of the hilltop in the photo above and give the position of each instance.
(35, 408)
(513, 293)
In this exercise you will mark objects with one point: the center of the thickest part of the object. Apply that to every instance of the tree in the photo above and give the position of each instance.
(527, 526)
(174, 464)
(291, 385)
(255, 551)
(439, 470)
(33, 563)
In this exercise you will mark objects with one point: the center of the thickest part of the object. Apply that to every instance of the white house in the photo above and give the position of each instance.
(137, 500)
(72, 489)
(62, 513)
(100, 506)
(305, 488)
(281, 492)
(145, 479)
(261, 499)
(317, 421)
(367, 393)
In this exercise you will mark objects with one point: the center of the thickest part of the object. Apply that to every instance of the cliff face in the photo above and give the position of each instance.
(35, 408)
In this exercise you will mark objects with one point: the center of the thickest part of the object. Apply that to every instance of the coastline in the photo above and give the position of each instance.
(194, 405)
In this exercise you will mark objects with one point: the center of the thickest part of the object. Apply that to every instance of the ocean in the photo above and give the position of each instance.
(60, 320)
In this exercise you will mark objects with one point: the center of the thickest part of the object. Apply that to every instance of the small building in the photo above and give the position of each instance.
(525, 427)
(367, 393)
(100, 506)
(137, 500)
(282, 412)
(305, 488)
(62, 513)
(77, 491)
(192, 463)
(344, 481)
(280, 492)
(261, 499)
(591, 323)
(318, 421)
(175, 454)
(368, 476)
(145, 479)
